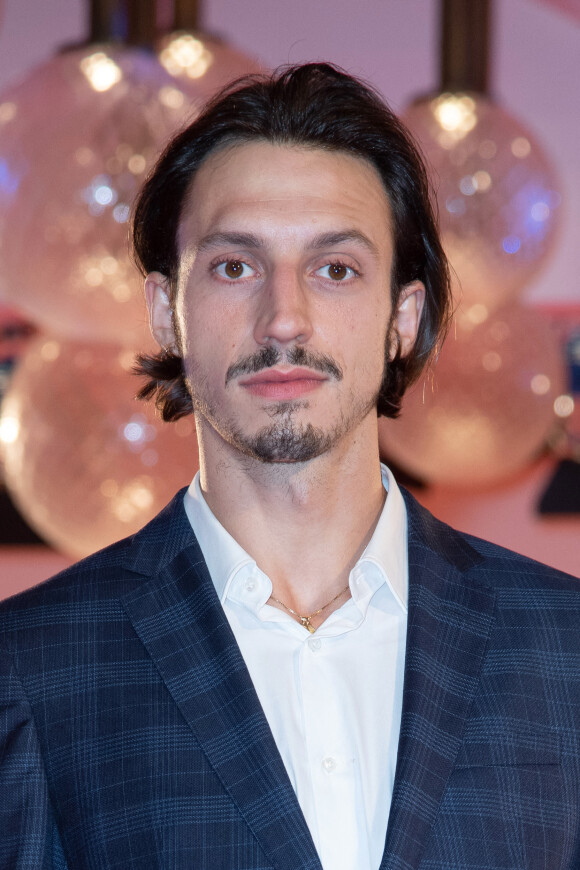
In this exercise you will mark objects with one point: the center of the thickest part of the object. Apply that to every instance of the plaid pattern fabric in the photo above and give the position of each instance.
(131, 735)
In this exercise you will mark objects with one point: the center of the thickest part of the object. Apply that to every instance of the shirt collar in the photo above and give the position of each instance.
(223, 555)
(386, 550)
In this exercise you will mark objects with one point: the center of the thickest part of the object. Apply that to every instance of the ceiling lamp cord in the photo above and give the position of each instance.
(465, 40)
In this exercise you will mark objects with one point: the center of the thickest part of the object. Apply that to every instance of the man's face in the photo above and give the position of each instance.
(283, 299)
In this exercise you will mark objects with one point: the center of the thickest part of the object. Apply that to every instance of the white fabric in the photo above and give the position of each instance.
(333, 699)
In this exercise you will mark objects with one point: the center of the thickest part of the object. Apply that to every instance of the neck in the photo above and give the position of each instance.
(319, 514)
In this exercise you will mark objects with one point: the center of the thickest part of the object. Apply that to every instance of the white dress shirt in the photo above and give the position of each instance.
(333, 699)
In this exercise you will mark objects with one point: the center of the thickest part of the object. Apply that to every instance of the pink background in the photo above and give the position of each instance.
(394, 43)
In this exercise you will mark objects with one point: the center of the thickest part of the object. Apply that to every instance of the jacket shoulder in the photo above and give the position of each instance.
(492, 564)
(114, 570)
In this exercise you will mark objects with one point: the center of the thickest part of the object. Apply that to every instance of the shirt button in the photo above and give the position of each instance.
(250, 585)
(329, 764)
(314, 643)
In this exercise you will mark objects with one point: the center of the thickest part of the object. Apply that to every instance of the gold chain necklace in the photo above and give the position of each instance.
(305, 620)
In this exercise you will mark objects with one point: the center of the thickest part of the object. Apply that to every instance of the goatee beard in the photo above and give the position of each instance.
(286, 443)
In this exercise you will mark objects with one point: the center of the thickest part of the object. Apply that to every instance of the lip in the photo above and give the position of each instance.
(283, 384)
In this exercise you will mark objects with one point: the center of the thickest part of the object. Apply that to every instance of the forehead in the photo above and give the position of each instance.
(278, 188)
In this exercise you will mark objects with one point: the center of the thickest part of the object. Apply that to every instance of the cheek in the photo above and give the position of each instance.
(370, 333)
(204, 325)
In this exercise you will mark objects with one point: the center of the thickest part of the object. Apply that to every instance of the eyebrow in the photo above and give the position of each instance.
(330, 240)
(251, 241)
(238, 240)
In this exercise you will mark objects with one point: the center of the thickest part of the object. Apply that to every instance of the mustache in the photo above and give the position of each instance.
(270, 356)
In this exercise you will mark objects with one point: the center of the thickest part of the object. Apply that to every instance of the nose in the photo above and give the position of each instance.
(284, 314)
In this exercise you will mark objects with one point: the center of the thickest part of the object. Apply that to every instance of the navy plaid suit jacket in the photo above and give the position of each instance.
(132, 737)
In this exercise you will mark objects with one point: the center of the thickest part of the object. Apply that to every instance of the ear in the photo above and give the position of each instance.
(158, 298)
(408, 315)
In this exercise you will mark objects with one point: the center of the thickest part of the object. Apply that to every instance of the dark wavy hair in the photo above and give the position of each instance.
(311, 105)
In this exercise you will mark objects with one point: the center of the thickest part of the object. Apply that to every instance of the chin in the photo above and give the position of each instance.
(290, 444)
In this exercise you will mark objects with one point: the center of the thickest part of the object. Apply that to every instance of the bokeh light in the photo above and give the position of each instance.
(200, 64)
(86, 463)
(498, 196)
(488, 406)
(77, 138)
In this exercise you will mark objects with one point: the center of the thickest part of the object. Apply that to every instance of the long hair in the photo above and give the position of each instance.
(311, 105)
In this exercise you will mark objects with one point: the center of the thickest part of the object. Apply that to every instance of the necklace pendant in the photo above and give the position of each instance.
(305, 620)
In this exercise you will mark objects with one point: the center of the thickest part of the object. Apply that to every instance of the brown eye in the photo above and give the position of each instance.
(337, 271)
(234, 268)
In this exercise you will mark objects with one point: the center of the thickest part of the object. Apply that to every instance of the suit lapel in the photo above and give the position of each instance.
(450, 618)
(180, 621)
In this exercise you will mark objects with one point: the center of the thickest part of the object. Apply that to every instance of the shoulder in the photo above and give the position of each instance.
(514, 567)
(107, 575)
(481, 560)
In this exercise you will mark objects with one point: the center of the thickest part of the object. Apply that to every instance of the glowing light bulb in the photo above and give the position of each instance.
(101, 71)
(186, 55)
(497, 391)
(497, 194)
(74, 198)
(455, 114)
(9, 430)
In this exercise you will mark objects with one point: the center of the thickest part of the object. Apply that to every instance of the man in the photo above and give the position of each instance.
(294, 665)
